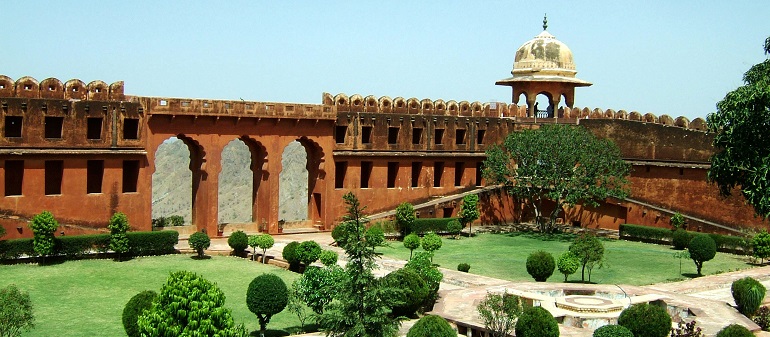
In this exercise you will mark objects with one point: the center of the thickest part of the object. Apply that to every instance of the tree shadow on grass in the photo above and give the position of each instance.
(691, 275)
(560, 237)
(270, 333)
(204, 257)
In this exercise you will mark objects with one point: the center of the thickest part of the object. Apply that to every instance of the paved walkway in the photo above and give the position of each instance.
(706, 299)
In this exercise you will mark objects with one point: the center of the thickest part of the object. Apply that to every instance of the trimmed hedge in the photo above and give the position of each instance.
(141, 243)
(14, 249)
(79, 245)
(725, 243)
(152, 243)
(425, 225)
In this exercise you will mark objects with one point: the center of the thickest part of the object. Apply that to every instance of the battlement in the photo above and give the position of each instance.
(74, 89)
(697, 124)
(188, 106)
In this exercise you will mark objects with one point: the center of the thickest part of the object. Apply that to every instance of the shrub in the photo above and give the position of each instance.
(160, 221)
(463, 267)
(735, 330)
(318, 286)
(568, 264)
(183, 301)
(678, 221)
(43, 227)
(413, 292)
(702, 248)
(375, 236)
(118, 239)
(536, 322)
(238, 241)
(152, 243)
(412, 242)
(431, 326)
(405, 217)
(644, 319)
(289, 254)
(422, 265)
(499, 313)
(13, 249)
(687, 330)
(135, 307)
(681, 238)
(15, 312)
(612, 330)
(199, 241)
(267, 295)
(328, 258)
(540, 265)
(79, 245)
(261, 241)
(762, 318)
(424, 225)
(176, 220)
(339, 234)
(308, 252)
(760, 245)
(431, 242)
(748, 294)
(644, 233)
(454, 228)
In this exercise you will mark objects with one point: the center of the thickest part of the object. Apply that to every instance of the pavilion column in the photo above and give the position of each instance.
(531, 99)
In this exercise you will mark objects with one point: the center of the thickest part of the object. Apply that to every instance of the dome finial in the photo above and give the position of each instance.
(545, 21)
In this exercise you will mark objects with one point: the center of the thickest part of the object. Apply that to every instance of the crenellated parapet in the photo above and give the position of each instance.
(53, 88)
(231, 108)
(401, 105)
(698, 124)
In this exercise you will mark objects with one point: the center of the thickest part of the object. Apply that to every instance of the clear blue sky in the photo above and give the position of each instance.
(665, 57)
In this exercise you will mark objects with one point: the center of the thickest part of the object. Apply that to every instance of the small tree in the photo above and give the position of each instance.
(318, 286)
(296, 306)
(469, 211)
(188, 305)
(43, 227)
(678, 221)
(261, 241)
(540, 265)
(568, 264)
(454, 228)
(308, 252)
(134, 308)
(431, 326)
(590, 251)
(267, 295)
(760, 245)
(405, 217)
(702, 248)
(413, 295)
(422, 265)
(412, 242)
(499, 313)
(118, 239)
(681, 255)
(328, 258)
(15, 312)
(238, 241)
(431, 243)
(199, 241)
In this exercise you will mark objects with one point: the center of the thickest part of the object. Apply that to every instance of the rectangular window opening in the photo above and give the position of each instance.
(439, 138)
(438, 172)
(131, 128)
(392, 174)
(480, 136)
(339, 133)
(13, 126)
(94, 128)
(479, 172)
(366, 135)
(54, 171)
(681, 171)
(340, 171)
(130, 175)
(459, 171)
(393, 135)
(366, 173)
(417, 136)
(14, 177)
(53, 127)
(416, 170)
(460, 136)
(94, 176)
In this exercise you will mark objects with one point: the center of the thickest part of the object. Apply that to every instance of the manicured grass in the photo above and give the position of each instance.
(504, 256)
(86, 297)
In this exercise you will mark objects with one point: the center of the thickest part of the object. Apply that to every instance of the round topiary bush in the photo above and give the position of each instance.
(463, 267)
(454, 227)
(748, 294)
(339, 234)
(644, 319)
(431, 242)
(135, 306)
(612, 330)
(735, 330)
(431, 326)
(412, 242)
(238, 241)
(568, 264)
(374, 235)
(702, 248)
(680, 239)
(536, 322)
(540, 265)
(199, 241)
(289, 254)
(308, 252)
(328, 258)
(414, 291)
(267, 295)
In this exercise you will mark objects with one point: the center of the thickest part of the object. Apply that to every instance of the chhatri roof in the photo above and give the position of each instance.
(543, 59)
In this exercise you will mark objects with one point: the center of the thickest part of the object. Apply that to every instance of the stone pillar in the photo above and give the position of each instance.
(554, 102)
(206, 188)
(531, 99)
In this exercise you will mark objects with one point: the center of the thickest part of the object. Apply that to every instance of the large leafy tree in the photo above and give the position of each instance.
(740, 126)
(361, 307)
(562, 163)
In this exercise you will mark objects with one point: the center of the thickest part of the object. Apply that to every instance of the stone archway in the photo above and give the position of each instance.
(299, 177)
(235, 189)
(178, 164)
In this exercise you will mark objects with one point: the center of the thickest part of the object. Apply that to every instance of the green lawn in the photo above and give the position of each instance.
(504, 256)
(86, 297)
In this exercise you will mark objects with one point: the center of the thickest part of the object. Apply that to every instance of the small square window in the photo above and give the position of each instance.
(131, 128)
(393, 135)
(480, 136)
(53, 127)
(13, 126)
(416, 136)
(366, 134)
(439, 139)
(366, 173)
(94, 128)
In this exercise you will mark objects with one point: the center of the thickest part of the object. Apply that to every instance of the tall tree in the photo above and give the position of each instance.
(562, 163)
(361, 307)
(469, 211)
(740, 126)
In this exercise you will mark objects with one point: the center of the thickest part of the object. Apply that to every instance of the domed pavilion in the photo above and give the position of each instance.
(544, 65)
